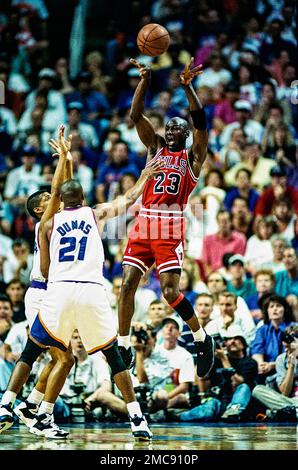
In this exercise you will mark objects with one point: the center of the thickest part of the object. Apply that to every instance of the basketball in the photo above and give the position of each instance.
(153, 39)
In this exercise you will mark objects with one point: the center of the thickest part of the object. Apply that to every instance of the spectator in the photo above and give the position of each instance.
(239, 284)
(283, 213)
(6, 315)
(215, 74)
(286, 380)
(19, 262)
(243, 189)
(224, 241)
(83, 174)
(156, 314)
(86, 131)
(258, 248)
(278, 244)
(287, 281)
(278, 189)
(16, 291)
(267, 344)
(233, 152)
(264, 281)
(242, 218)
(225, 111)
(186, 286)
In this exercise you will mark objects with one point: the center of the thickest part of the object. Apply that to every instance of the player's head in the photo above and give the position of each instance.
(37, 203)
(177, 131)
(71, 193)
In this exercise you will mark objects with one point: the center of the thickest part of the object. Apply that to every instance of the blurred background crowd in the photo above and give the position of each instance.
(67, 62)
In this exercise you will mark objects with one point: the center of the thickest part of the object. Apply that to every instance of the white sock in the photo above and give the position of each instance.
(124, 341)
(35, 397)
(46, 407)
(134, 409)
(199, 335)
(8, 397)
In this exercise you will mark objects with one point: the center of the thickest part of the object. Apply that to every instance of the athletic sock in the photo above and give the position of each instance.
(186, 312)
(124, 341)
(46, 407)
(8, 398)
(35, 397)
(134, 409)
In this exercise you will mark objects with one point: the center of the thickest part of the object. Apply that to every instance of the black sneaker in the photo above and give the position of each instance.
(205, 356)
(128, 356)
(6, 417)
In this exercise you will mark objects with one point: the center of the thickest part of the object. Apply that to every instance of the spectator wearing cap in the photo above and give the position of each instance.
(243, 189)
(252, 128)
(224, 241)
(56, 103)
(258, 166)
(86, 131)
(224, 111)
(287, 281)
(167, 368)
(267, 345)
(279, 189)
(24, 180)
(259, 248)
(239, 284)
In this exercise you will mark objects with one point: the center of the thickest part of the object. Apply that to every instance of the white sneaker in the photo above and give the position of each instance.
(6, 417)
(44, 425)
(140, 429)
(26, 412)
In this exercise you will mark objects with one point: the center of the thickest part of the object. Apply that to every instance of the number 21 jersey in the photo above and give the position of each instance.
(76, 250)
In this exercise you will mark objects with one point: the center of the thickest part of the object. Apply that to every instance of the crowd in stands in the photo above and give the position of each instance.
(240, 268)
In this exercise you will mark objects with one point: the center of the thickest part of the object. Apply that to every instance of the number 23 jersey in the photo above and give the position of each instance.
(76, 250)
(169, 190)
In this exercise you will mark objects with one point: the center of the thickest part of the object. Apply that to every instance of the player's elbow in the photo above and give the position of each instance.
(44, 268)
(135, 116)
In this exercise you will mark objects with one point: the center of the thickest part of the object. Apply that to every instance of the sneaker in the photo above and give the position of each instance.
(26, 412)
(6, 417)
(232, 414)
(44, 425)
(140, 429)
(128, 356)
(205, 356)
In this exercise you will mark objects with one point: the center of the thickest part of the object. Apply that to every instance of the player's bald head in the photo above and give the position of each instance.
(71, 193)
(178, 121)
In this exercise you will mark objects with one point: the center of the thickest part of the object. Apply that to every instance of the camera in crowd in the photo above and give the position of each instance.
(219, 341)
(288, 338)
(77, 405)
(141, 335)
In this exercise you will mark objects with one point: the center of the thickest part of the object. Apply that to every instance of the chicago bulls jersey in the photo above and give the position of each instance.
(167, 193)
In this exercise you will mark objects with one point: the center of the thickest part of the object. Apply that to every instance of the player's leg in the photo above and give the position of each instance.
(27, 410)
(123, 381)
(130, 282)
(44, 425)
(18, 378)
(169, 281)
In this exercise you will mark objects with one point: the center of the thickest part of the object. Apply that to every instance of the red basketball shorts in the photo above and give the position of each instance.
(155, 241)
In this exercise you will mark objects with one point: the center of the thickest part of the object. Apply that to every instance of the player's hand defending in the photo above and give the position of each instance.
(190, 72)
(63, 145)
(145, 71)
(153, 168)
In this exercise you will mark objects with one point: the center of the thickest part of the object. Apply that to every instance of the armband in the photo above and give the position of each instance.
(199, 119)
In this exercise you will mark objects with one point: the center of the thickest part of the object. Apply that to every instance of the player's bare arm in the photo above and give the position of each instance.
(43, 235)
(121, 203)
(198, 149)
(144, 127)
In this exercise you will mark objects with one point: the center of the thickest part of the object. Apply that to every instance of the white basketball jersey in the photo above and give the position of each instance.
(36, 273)
(76, 250)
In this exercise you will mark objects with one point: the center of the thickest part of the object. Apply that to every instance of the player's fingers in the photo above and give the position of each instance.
(135, 63)
(55, 154)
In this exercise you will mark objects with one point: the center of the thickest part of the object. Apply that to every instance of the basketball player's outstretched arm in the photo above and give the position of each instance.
(144, 127)
(198, 149)
(121, 203)
(43, 237)
(62, 148)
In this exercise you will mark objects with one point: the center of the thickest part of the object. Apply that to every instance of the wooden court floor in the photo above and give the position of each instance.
(166, 437)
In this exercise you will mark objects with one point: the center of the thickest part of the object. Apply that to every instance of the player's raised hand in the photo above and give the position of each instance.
(153, 168)
(145, 71)
(190, 72)
(63, 145)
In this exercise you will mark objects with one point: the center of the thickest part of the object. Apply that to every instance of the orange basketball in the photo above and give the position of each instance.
(153, 39)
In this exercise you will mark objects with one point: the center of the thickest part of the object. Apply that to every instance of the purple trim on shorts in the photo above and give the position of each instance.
(39, 285)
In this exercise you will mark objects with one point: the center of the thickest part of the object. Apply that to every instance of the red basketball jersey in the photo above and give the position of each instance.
(168, 191)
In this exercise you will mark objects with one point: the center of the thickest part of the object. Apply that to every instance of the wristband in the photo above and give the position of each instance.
(199, 119)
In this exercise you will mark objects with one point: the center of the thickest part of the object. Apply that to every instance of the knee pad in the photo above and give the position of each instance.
(31, 352)
(114, 359)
